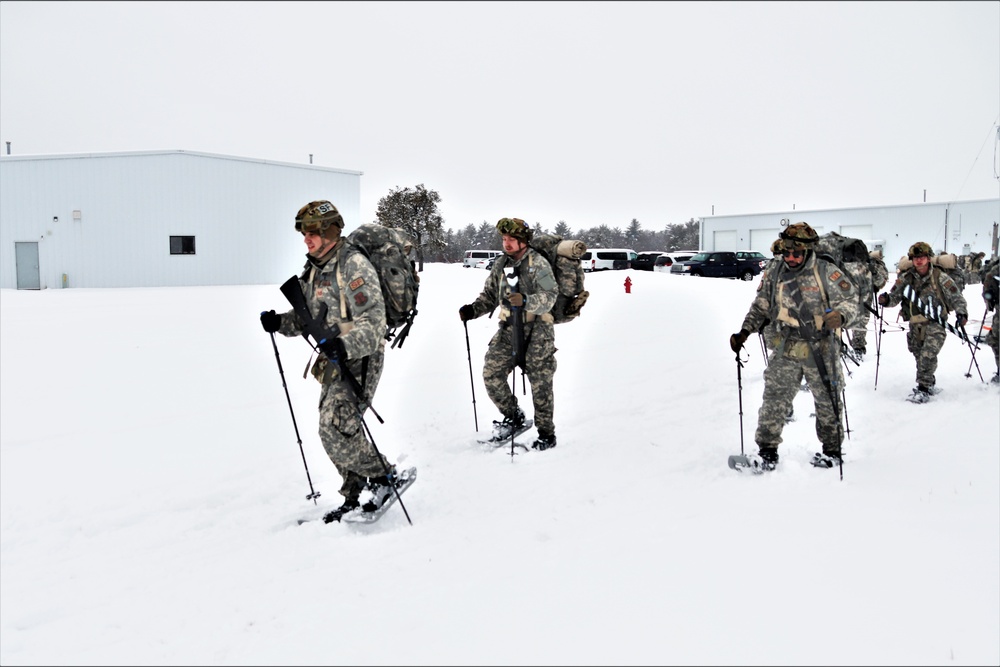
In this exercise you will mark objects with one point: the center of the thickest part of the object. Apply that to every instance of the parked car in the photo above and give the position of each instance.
(472, 257)
(717, 265)
(750, 257)
(668, 259)
(644, 261)
(602, 259)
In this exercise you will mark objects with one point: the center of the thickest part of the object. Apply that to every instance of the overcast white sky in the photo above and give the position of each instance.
(588, 112)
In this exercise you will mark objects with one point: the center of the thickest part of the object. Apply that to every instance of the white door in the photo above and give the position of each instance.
(725, 240)
(26, 265)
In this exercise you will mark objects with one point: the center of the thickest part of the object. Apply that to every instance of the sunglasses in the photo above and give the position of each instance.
(797, 254)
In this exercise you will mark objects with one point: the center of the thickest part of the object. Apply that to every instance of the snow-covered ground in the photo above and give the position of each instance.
(151, 481)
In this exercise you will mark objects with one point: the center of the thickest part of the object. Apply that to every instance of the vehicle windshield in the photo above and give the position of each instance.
(700, 257)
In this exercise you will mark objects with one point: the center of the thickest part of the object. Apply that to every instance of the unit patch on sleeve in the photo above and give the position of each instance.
(357, 291)
(844, 285)
(835, 275)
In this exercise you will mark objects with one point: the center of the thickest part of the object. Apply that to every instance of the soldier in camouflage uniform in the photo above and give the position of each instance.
(808, 300)
(536, 294)
(876, 276)
(346, 286)
(975, 270)
(925, 338)
(991, 295)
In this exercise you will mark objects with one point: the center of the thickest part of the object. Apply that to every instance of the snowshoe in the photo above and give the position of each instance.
(825, 460)
(349, 506)
(544, 442)
(504, 429)
(919, 395)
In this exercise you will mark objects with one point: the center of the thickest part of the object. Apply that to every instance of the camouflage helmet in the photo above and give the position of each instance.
(920, 249)
(317, 217)
(799, 236)
(514, 227)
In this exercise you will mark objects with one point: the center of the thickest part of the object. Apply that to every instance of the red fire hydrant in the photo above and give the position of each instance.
(628, 285)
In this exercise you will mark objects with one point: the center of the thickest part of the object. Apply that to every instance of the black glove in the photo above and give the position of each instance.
(333, 347)
(270, 320)
(883, 300)
(961, 319)
(466, 313)
(737, 339)
(988, 298)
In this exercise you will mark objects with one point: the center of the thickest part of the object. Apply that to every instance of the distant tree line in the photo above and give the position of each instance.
(415, 212)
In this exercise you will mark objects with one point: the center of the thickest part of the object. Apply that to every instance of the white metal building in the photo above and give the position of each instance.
(957, 227)
(158, 218)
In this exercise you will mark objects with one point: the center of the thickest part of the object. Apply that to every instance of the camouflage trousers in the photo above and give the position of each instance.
(924, 341)
(859, 336)
(782, 381)
(539, 366)
(341, 431)
(993, 339)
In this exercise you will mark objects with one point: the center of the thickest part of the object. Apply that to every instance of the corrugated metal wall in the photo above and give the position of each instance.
(240, 211)
(946, 226)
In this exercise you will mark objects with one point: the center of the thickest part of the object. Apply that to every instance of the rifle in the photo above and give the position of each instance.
(325, 337)
(517, 320)
(932, 312)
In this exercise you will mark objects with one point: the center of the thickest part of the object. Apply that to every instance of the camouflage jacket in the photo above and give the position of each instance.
(990, 281)
(348, 285)
(821, 286)
(936, 287)
(536, 281)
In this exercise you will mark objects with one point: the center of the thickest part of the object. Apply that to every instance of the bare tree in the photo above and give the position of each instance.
(415, 212)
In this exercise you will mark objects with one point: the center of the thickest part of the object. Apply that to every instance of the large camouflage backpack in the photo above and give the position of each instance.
(878, 269)
(948, 262)
(564, 256)
(388, 250)
(851, 255)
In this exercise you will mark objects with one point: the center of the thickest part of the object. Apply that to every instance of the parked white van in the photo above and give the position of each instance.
(472, 257)
(604, 259)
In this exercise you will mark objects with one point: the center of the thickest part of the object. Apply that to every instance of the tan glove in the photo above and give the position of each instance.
(833, 320)
(516, 299)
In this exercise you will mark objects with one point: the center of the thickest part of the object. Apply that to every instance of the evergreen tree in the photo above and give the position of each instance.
(633, 234)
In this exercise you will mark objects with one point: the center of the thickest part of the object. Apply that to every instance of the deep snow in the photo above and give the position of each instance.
(151, 482)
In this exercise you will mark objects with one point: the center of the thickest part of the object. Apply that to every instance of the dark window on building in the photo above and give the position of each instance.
(181, 245)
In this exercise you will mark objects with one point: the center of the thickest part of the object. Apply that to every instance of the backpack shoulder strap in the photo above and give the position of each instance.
(341, 256)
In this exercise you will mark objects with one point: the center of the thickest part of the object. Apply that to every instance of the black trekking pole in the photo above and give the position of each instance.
(739, 386)
(513, 431)
(982, 323)
(973, 350)
(313, 494)
(880, 329)
(834, 391)
(763, 348)
(385, 467)
(472, 380)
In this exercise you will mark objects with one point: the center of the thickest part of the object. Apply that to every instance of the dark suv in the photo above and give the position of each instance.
(644, 261)
(718, 265)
